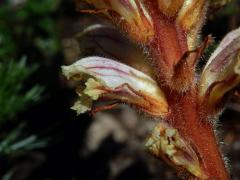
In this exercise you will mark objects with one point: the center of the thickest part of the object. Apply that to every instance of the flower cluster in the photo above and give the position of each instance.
(184, 101)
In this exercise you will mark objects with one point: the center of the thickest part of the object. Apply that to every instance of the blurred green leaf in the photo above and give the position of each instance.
(43, 6)
(16, 143)
(12, 97)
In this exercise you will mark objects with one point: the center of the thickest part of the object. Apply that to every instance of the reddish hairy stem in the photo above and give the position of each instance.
(195, 127)
(169, 43)
(167, 48)
(186, 115)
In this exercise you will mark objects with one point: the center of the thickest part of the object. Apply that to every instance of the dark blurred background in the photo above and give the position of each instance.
(40, 137)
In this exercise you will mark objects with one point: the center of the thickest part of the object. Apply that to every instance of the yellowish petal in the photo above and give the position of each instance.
(191, 18)
(191, 13)
(81, 107)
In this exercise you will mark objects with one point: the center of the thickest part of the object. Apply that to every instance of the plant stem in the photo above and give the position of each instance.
(195, 127)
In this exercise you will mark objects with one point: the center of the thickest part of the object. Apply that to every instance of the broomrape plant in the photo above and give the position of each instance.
(186, 102)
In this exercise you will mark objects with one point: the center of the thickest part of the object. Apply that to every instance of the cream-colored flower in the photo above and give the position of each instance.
(166, 142)
(108, 79)
(221, 73)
